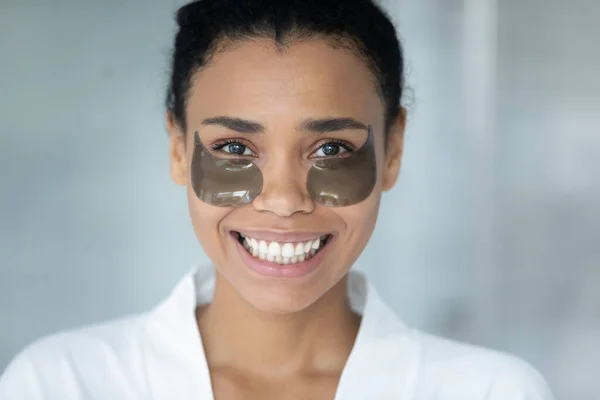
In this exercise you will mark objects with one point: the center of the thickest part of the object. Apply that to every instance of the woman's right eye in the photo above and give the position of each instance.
(233, 147)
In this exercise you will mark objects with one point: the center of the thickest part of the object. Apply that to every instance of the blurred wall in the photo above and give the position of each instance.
(491, 235)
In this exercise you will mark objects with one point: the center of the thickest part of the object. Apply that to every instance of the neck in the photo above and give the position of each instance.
(316, 339)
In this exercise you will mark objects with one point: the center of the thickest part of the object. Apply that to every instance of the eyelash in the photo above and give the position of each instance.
(345, 145)
(222, 143)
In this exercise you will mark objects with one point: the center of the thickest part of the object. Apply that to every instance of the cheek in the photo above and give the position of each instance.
(206, 223)
(366, 212)
(360, 220)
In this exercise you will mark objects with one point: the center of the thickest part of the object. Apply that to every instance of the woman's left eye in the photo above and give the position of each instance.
(331, 149)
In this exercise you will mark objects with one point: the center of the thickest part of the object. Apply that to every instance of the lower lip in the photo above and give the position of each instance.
(274, 270)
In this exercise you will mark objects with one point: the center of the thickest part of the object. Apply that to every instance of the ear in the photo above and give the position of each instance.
(393, 151)
(177, 156)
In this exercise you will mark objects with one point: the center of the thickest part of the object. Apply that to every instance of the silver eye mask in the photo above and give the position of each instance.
(336, 181)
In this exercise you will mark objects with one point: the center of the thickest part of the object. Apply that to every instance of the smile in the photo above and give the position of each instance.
(283, 253)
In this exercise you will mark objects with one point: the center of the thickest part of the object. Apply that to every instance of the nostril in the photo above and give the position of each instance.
(283, 200)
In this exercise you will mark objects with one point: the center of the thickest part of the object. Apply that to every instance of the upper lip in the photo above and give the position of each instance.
(282, 236)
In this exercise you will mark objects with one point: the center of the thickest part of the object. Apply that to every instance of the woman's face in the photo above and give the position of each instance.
(275, 93)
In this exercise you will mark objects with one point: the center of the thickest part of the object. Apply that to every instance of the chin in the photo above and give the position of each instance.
(280, 301)
(279, 295)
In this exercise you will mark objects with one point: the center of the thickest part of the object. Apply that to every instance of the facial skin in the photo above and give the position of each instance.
(310, 80)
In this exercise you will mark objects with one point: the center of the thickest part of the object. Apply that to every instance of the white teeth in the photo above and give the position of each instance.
(281, 253)
(299, 250)
(307, 246)
(316, 244)
(287, 250)
(262, 246)
(274, 249)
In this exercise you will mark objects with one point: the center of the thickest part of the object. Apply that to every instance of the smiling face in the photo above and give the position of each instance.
(284, 113)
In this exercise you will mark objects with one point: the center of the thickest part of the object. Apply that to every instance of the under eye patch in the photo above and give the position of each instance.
(332, 181)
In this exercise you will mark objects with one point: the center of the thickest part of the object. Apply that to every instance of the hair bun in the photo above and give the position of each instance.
(191, 14)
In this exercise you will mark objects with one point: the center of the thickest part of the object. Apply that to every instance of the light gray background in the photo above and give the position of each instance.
(491, 236)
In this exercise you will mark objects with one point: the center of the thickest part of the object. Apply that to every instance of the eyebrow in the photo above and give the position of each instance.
(331, 125)
(235, 124)
(321, 125)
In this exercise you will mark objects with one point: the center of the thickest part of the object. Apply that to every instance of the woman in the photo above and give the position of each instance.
(285, 126)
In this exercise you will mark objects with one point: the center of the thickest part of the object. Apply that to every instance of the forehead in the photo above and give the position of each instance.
(256, 80)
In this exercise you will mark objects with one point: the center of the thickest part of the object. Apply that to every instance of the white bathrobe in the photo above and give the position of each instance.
(159, 355)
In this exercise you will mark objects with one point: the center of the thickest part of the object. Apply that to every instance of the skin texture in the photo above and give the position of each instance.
(282, 337)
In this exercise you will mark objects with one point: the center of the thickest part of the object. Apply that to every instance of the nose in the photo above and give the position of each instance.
(284, 190)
